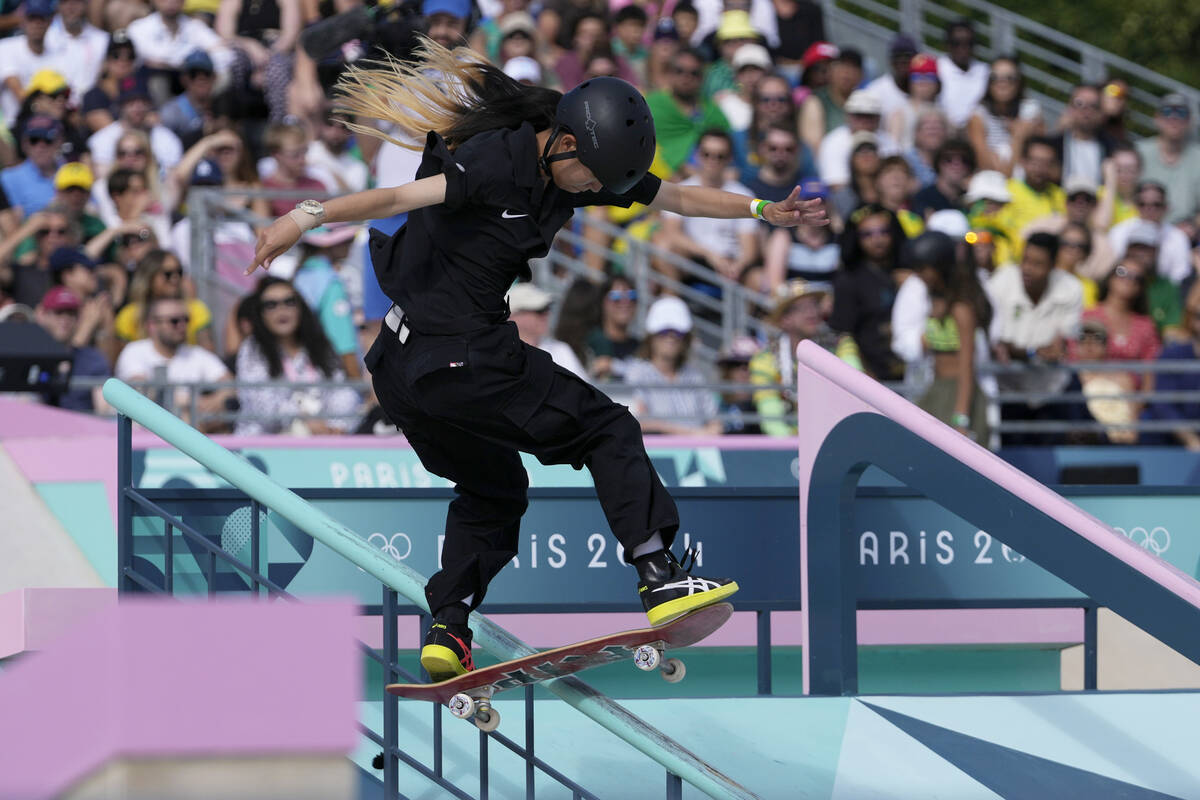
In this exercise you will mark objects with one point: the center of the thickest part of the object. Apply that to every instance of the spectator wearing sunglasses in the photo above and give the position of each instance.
(165, 345)
(1174, 252)
(612, 345)
(83, 44)
(47, 94)
(99, 104)
(26, 278)
(160, 274)
(680, 113)
(1084, 144)
(135, 114)
(287, 343)
(964, 79)
(22, 56)
(30, 184)
(1172, 159)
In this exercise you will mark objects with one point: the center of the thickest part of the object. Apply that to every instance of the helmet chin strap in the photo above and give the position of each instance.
(546, 159)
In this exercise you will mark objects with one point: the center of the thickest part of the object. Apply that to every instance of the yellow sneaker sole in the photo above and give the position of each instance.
(441, 663)
(674, 609)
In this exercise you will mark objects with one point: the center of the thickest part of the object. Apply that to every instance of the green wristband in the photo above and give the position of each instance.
(757, 207)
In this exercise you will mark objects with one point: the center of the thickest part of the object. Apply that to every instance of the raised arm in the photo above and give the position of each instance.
(283, 233)
(704, 201)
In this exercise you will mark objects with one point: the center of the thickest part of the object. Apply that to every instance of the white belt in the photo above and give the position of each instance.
(395, 321)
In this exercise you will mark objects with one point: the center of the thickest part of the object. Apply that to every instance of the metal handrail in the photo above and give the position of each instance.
(677, 760)
(1004, 32)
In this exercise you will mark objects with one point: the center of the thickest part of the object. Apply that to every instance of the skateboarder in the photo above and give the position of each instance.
(503, 168)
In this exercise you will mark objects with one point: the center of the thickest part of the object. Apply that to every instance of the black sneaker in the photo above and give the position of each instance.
(669, 590)
(447, 651)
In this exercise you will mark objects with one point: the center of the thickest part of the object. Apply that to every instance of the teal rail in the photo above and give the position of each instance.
(409, 583)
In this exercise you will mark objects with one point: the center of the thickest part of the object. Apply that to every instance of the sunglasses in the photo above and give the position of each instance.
(1003, 77)
(40, 138)
(199, 73)
(55, 231)
(674, 334)
(287, 302)
(773, 98)
(1128, 274)
(173, 321)
(1151, 204)
(172, 274)
(616, 295)
(130, 153)
(1174, 112)
(123, 55)
(134, 238)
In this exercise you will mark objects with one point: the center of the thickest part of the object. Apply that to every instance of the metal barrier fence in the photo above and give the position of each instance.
(167, 393)
(1051, 61)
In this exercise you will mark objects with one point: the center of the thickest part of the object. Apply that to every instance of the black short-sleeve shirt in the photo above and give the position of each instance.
(451, 264)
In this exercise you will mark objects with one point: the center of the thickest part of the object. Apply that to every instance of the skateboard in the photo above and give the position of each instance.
(469, 696)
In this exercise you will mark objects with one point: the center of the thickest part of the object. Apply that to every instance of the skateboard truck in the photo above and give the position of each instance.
(465, 706)
(649, 657)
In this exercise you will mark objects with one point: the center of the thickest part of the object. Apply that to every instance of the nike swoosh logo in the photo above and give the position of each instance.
(506, 215)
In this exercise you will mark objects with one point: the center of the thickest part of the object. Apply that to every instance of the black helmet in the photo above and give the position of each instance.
(613, 129)
(930, 249)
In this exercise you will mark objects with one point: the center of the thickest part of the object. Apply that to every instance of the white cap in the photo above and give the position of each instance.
(988, 185)
(949, 221)
(668, 314)
(1078, 184)
(523, 68)
(861, 101)
(527, 297)
(751, 55)
(1144, 232)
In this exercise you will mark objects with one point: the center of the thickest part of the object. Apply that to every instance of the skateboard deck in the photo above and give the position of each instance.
(468, 695)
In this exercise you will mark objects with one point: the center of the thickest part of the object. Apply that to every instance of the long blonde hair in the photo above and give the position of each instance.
(451, 92)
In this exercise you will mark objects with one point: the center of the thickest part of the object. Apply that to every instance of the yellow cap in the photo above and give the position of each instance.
(201, 6)
(736, 25)
(46, 81)
(73, 173)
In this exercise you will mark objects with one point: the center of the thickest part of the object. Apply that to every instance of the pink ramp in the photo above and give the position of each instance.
(149, 678)
(849, 421)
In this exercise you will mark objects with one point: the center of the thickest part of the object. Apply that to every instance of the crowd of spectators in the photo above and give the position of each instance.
(1068, 239)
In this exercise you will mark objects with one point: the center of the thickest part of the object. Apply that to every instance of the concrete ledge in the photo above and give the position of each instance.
(32, 618)
(149, 679)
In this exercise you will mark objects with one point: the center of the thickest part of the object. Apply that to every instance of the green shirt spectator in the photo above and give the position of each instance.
(680, 113)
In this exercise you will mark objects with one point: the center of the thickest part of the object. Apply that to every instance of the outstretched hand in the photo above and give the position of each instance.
(793, 211)
(273, 241)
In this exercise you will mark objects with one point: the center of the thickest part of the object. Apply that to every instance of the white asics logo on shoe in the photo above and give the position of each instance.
(506, 215)
(693, 585)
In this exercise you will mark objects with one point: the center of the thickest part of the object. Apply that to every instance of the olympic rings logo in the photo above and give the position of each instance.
(388, 546)
(1157, 540)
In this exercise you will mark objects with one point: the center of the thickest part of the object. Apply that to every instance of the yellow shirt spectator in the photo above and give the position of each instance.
(128, 323)
(1027, 204)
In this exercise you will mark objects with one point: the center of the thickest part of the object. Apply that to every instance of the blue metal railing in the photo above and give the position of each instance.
(133, 580)
(680, 764)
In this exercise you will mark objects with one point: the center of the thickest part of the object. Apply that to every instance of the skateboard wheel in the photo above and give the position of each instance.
(646, 658)
(487, 719)
(461, 705)
(673, 670)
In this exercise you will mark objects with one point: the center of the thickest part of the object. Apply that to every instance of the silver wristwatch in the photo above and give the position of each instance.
(313, 208)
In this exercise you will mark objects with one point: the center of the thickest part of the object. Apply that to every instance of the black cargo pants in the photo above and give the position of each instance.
(468, 403)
